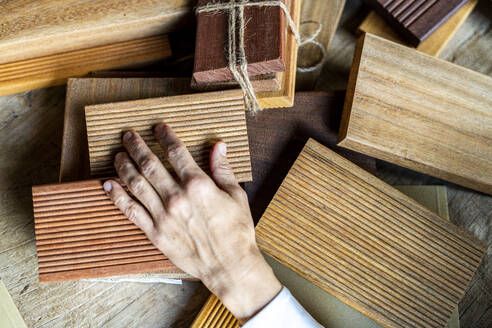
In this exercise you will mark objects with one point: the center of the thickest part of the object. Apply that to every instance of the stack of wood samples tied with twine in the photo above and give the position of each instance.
(419, 112)
(271, 59)
(42, 43)
(410, 270)
(434, 43)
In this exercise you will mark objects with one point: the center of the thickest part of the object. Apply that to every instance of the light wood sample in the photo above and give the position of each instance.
(325, 308)
(9, 314)
(420, 112)
(434, 44)
(328, 14)
(285, 97)
(81, 92)
(80, 234)
(199, 120)
(38, 28)
(366, 243)
(56, 69)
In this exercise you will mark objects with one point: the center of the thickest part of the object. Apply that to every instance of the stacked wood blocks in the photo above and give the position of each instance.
(199, 120)
(420, 112)
(415, 20)
(434, 43)
(55, 69)
(80, 233)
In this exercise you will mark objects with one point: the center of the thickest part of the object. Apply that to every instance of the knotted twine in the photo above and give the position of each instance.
(238, 64)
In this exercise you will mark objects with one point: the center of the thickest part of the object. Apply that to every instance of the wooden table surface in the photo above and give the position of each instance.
(30, 137)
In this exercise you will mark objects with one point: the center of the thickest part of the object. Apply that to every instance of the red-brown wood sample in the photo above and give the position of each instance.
(80, 234)
(264, 36)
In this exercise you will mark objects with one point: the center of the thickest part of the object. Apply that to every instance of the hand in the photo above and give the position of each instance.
(202, 224)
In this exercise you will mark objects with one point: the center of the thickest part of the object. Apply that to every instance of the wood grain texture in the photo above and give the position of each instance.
(260, 83)
(199, 120)
(82, 92)
(434, 44)
(420, 112)
(343, 229)
(325, 308)
(415, 20)
(264, 45)
(285, 97)
(9, 314)
(32, 29)
(56, 69)
(328, 14)
(274, 150)
(80, 234)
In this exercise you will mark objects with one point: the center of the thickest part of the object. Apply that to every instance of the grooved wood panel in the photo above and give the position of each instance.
(38, 28)
(416, 19)
(435, 43)
(366, 243)
(80, 233)
(420, 112)
(264, 43)
(81, 92)
(321, 305)
(199, 120)
(55, 69)
(285, 96)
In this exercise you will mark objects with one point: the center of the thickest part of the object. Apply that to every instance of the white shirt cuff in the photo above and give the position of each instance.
(283, 311)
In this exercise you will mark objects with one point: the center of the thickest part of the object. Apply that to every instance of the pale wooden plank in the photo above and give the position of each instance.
(420, 112)
(198, 119)
(9, 313)
(33, 29)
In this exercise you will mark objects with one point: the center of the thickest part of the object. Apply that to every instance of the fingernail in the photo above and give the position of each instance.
(107, 186)
(118, 156)
(222, 148)
(127, 136)
(160, 130)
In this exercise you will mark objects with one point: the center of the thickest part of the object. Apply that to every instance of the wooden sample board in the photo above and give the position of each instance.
(327, 13)
(326, 309)
(9, 314)
(416, 20)
(264, 42)
(80, 234)
(367, 244)
(55, 69)
(82, 92)
(199, 120)
(434, 44)
(420, 112)
(276, 138)
(34, 29)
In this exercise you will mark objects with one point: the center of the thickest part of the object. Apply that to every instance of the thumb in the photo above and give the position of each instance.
(221, 169)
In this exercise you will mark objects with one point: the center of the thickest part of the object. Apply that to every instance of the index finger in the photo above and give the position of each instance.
(176, 153)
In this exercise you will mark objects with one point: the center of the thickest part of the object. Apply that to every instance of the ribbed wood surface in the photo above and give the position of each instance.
(81, 234)
(366, 243)
(199, 120)
(408, 11)
(56, 69)
(214, 315)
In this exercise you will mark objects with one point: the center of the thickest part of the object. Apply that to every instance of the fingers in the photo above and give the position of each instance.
(150, 166)
(132, 209)
(178, 156)
(138, 185)
(222, 172)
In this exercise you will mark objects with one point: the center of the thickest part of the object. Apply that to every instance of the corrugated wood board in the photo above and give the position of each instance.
(199, 120)
(420, 112)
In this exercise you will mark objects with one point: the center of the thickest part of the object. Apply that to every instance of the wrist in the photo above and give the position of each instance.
(247, 288)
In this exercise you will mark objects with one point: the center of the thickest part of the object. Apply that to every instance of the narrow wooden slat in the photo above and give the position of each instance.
(198, 120)
(77, 237)
(420, 112)
(56, 69)
(323, 224)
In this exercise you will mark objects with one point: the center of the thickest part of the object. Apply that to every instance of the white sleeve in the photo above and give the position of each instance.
(284, 312)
